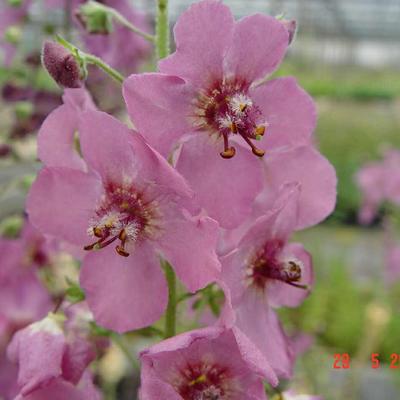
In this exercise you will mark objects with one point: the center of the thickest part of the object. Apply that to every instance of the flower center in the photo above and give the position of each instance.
(227, 109)
(268, 264)
(123, 214)
(204, 381)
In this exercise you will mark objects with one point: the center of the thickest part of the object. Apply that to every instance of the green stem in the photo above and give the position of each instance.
(162, 29)
(170, 316)
(90, 59)
(123, 21)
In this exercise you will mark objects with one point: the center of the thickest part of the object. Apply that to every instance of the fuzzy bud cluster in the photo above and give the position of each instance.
(61, 65)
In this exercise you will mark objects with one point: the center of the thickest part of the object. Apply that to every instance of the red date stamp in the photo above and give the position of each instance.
(342, 361)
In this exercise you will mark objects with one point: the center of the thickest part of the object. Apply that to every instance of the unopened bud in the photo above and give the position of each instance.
(23, 109)
(13, 34)
(95, 18)
(291, 27)
(61, 65)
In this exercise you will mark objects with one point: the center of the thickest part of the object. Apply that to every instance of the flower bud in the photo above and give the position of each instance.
(95, 18)
(61, 65)
(13, 34)
(24, 109)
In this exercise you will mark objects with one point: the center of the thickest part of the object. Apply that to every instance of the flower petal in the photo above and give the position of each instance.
(61, 202)
(258, 46)
(224, 188)
(56, 139)
(124, 293)
(39, 356)
(279, 221)
(56, 147)
(118, 153)
(316, 176)
(59, 389)
(261, 325)
(159, 107)
(289, 111)
(105, 145)
(202, 35)
(189, 244)
(24, 299)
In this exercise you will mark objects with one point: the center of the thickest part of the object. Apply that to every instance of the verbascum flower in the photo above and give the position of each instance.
(126, 207)
(209, 363)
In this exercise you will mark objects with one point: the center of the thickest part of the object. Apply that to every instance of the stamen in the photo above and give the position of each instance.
(90, 246)
(120, 249)
(260, 130)
(200, 379)
(98, 232)
(228, 152)
(240, 103)
(256, 151)
(100, 244)
(297, 285)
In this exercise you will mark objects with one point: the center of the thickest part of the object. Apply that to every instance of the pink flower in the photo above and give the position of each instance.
(392, 164)
(263, 272)
(207, 91)
(370, 179)
(209, 363)
(378, 182)
(129, 196)
(23, 298)
(392, 271)
(37, 250)
(48, 362)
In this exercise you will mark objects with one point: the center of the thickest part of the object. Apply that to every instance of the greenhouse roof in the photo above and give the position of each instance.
(356, 19)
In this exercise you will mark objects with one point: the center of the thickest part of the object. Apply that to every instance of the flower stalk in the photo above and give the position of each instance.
(162, 48)
(170, 316)
(162, 30)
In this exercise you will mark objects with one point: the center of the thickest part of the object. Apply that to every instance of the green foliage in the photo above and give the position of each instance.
(351, 134)
(345, 318)
(334, 311)
(390, 342)
(344, 82)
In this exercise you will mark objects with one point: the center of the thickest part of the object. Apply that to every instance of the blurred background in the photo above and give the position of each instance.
(347, 56)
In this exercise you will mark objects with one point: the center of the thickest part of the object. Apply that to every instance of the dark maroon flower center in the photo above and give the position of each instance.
(204, 381)
(227, 109)
(268, 264)
(123, 214)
